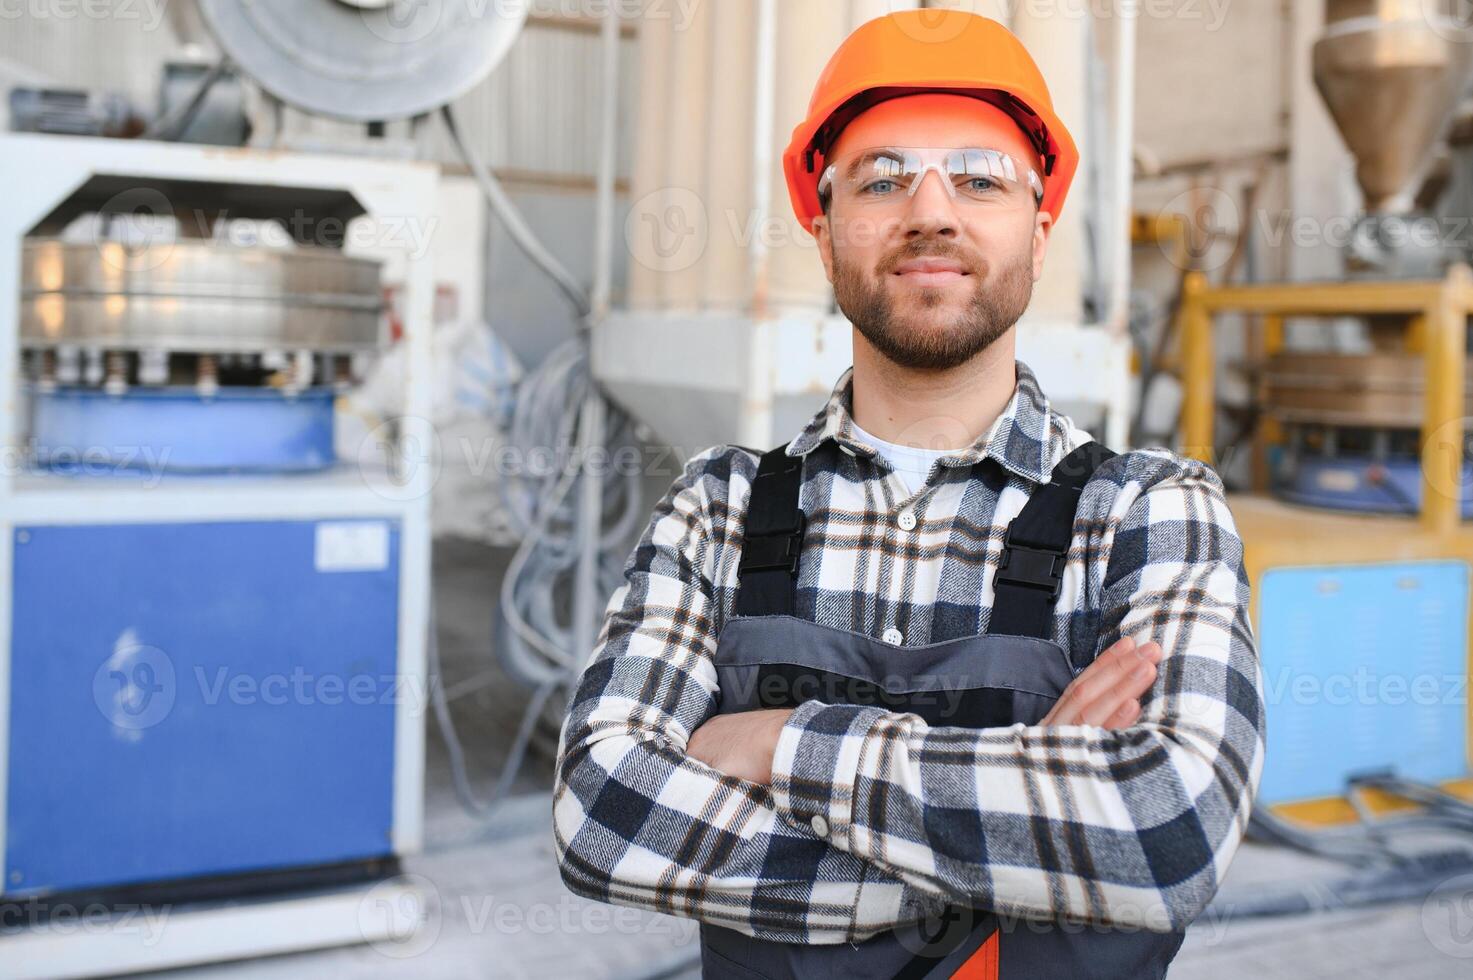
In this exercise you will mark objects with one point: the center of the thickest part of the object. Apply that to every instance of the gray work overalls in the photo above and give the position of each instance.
(768, 658)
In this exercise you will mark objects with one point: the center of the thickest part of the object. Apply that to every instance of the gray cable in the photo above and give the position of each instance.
(532, 637)
(1381, 874)
(456, 751)
(515, 224)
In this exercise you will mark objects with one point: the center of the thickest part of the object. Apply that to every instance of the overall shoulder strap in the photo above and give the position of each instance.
(768, 573)
(1036, 548)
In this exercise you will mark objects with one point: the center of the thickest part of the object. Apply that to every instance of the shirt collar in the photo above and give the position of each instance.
(1028, 438)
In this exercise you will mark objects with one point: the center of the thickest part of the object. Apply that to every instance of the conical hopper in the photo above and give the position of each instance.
(1392, 72)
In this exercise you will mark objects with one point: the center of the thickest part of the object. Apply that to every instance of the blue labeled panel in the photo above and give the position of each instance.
(200, 699)
(1365, 667)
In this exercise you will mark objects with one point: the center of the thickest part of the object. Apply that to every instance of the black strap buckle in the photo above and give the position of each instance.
(1035, 568)
(773, 552)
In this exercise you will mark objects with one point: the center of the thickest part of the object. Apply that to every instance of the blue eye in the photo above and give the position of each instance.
(980, 185)
(879, 187)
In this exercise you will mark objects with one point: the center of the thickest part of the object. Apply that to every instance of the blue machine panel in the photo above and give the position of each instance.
(1365, 667)
(200, 699)
(178, 430)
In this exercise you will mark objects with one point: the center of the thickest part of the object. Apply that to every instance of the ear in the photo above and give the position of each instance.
(824, 236)
(1043, 226)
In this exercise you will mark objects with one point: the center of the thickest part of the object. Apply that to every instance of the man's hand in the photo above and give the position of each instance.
(1107, 692)
(740, 745)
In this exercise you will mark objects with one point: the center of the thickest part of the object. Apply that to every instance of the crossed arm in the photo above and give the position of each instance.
(1127, 822)
(1106, 694)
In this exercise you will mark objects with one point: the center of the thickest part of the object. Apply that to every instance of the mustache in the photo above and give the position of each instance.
(970, 261)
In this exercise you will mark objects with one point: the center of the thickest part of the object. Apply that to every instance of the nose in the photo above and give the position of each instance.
(932, 211)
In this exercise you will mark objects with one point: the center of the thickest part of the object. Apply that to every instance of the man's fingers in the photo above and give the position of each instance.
(1122, 673)
(1110, 670)
(1079, 688)
(1125, 715)
(1127, 689)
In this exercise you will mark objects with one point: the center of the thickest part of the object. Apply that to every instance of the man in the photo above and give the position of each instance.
(940, 687)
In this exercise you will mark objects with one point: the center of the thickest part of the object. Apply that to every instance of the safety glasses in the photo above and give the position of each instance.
(888, 175)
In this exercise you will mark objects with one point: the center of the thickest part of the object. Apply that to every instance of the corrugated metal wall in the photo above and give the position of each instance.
(120, 52)
(537, 113)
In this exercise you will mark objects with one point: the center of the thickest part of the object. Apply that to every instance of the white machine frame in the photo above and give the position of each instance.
(40, 172)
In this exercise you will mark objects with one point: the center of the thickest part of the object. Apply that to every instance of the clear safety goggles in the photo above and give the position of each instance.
(890, 174)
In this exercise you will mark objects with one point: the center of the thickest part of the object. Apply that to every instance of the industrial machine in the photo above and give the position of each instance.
(212, 626)
(193, 583)
(166, 346)
(1354, 534)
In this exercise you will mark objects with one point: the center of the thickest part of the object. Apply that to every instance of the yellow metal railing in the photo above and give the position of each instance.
(1437, 314)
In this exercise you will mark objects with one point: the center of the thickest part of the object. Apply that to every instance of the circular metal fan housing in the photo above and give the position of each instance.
(366, 60)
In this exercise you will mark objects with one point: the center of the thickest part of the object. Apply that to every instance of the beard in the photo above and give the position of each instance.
(994, 307)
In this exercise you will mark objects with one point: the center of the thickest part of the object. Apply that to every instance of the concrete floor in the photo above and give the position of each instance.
(501, 911)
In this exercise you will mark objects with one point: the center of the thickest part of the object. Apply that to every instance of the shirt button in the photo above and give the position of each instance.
(820, 825)
(893, 637)
(907, 521)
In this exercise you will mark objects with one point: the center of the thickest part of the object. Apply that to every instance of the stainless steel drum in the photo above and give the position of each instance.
(1391, 73)
(366, 60)
(198, 297)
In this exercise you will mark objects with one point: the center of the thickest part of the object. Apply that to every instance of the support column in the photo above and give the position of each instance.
(1198, 399)
(808, 33)
(656, 39)
(731, 215)
(687, 147)
(1444, 367)
(1059, 42)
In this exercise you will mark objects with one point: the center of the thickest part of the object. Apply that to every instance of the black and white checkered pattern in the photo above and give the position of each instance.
(1132, 828)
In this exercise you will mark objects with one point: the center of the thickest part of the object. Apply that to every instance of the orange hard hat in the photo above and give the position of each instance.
(913, 51)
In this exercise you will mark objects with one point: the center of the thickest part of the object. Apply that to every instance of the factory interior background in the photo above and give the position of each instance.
(346, 345)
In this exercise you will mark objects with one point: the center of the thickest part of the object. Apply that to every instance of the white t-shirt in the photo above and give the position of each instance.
(912, 464)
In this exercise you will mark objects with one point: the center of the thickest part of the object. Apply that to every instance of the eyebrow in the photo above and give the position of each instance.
(869, 157)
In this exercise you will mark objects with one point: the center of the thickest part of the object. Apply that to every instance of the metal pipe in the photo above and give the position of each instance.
(1122, 89)
(589, 529)
(591, 423)
(608, 162)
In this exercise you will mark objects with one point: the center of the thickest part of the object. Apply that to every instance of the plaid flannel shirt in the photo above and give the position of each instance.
(1132, 828)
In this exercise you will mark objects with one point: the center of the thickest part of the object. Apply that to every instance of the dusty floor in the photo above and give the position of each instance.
(502, 912)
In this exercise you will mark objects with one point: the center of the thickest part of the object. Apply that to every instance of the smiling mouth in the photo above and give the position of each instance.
(931, 278)
(930, 272)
